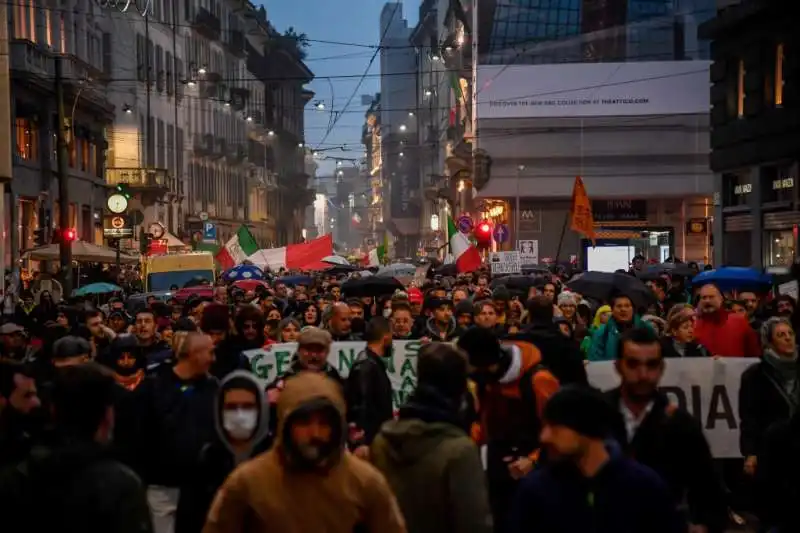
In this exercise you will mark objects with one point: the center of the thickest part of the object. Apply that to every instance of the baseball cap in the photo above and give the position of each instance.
(10, 328)
(415, 295)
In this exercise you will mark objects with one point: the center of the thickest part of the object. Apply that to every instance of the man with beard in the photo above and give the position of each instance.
(99, 335)
(586, 484)
(228, 358)
(664, 437)
(340, 324)
(19, 407)
(154, 351)
(127, 361)
(441, 326)
(722, 332)
(310, 465)
(357, 320)
(368, 390)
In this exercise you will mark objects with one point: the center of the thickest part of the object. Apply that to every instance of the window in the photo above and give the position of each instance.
(84, 150)
(779, 60)
(149, 62)
(107, 54)
(73, 153)
(740, 93)
(140, 57)
(161, 146)
(159, 68)
(169, 81)
(27, 137)
(778, 248)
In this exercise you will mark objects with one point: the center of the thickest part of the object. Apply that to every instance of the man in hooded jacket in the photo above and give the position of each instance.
(241, 420)
(308, 465)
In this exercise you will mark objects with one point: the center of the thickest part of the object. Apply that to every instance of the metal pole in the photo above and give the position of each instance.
(6, 156)
(65, 247)
(148, 79)
(116, 260)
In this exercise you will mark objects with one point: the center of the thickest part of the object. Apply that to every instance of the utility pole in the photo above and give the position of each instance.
(6, 158)
(65, 245)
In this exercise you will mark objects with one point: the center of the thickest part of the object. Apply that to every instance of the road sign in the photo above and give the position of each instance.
(500, 233)
(505, 263)
(117, 222)
(203, 216)
(117, 233)
(465, 224)
(209, 232)
(528, 252)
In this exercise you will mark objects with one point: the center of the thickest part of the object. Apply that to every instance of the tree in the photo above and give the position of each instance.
(298, 41)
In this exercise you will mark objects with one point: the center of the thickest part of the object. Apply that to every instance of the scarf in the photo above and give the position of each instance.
(784, 374)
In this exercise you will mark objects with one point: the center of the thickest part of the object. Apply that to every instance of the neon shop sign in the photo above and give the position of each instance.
(144, 7)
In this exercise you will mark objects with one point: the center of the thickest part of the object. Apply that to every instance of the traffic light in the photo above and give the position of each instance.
(483, 234)
(64, 235)
(144, 241)
(39, 236)
(122, 188)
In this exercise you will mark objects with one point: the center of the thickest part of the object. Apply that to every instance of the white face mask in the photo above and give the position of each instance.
(387, 312)
(240, 423)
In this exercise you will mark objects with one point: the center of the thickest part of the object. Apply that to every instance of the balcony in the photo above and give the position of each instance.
(140, 179)
(263, 179)
(204, 144)
(236, 154)
(239, 97)
(235, 44)
(220, 147)
(207, 24)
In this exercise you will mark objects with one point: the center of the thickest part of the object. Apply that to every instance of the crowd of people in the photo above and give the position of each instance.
(116, 419)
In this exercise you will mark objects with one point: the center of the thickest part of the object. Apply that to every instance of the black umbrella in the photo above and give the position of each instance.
(603, 285)
(449, 269)
(371, 287)
(520, 283)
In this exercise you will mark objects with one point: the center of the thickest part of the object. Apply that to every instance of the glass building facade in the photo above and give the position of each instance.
(569, 31)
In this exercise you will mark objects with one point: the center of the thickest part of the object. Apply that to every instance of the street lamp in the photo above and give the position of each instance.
(434, 222)
(403, 127)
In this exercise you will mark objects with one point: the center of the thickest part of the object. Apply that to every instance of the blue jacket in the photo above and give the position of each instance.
(605, 340)
(624, 497)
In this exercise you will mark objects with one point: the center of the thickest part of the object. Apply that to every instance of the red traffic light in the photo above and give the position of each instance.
(70, 234)
(484, 227)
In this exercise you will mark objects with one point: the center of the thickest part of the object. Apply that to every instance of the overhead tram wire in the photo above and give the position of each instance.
(363, 77)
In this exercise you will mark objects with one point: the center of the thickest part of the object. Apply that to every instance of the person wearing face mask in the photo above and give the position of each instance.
(368, 390)
(357, 316)
(322, 486)
(242, 425)
(511, 389)
(76, 485)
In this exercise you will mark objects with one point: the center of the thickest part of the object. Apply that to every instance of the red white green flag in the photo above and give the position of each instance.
(237, 249)
(466, 256)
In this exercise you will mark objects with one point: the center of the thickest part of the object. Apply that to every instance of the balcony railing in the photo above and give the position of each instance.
(239, 97)
(264, 179)
(204, 144)
(139, 178)
(207, 24)
(236, 154)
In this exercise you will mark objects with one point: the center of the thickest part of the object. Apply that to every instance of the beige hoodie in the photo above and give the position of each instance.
(266, 495)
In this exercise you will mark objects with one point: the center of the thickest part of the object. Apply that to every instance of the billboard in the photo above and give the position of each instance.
(593, 89)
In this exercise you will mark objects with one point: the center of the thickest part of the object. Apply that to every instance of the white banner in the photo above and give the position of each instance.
(707, 388)
(593, 89)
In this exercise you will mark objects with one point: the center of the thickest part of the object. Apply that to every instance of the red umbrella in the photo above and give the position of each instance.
(250, 284)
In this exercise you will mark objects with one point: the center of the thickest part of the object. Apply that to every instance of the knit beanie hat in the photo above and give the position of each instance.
(581, 409)
(216, 317)
(464, 307)
(482, 347)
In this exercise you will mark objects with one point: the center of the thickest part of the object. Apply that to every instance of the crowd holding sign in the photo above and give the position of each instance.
(707, 388)
(271, 362)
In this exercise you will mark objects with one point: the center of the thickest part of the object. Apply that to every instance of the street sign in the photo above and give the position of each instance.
(209, 232)
(203, 216)
(117, 222)
(505, 263)
(465, 224)
(117, 233)
(500, 233)
(528, 252)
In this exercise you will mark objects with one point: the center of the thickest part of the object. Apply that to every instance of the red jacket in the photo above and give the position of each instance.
(727, 334)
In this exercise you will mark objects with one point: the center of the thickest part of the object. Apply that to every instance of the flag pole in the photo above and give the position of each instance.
(561, 239)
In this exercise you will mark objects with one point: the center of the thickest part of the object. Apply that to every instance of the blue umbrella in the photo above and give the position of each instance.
(96, 288)
(243, 272)
(733, 278)
(296, 280)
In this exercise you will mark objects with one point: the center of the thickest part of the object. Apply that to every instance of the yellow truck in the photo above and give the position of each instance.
(165, 272)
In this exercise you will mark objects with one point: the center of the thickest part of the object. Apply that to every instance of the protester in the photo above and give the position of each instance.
(74, 485)
(309, 462)
(340, 323)
(402, 321)
(723, 333)
(680, 339)
(20, 420)
(432, 466)
(605, 339)
(441, 326)
(368, 390)
(587, 484)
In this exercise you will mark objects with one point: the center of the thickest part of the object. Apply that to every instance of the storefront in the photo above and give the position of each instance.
(760, 216)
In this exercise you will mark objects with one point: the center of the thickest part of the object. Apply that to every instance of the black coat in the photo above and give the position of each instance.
(778, 477)
(228, 357)
(368, 392)
(693, 349)
(73, 488)
(761, 404)
(561, 355)
(671, 442)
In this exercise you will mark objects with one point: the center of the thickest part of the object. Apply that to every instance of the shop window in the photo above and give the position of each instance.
(778, 248)
(777, 183)
(27, 139)
(740, 92)
(779, 60)
(736, 188)
(84, 148)
(73, 153)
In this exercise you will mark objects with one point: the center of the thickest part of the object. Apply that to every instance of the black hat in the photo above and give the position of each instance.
(482, 346)
(71, 346)
(464, 307)
(582, 409)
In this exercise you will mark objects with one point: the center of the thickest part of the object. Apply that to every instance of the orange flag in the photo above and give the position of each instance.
(581, 219)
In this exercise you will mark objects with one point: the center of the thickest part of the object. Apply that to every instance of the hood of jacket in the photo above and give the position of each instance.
(433, 331)
(309, 391)
(242, 379)
(410, 440)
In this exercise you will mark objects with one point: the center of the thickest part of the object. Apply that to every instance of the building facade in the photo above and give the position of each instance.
(755, 139)
(602, 90)
(77, 36)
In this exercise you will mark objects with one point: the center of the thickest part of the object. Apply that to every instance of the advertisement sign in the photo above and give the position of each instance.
(707, 388)
(505, 263)
(593, 89)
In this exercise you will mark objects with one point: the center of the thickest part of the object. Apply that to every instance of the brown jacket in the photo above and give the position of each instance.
(267, 495)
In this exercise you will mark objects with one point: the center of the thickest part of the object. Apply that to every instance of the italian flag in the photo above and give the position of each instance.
(467, 257)
(379, 254)
(237, 249)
